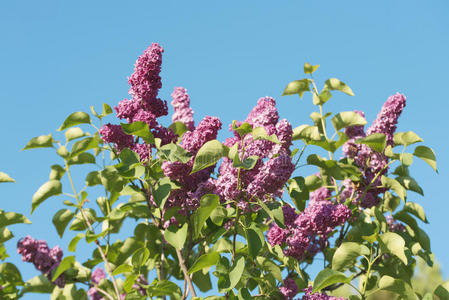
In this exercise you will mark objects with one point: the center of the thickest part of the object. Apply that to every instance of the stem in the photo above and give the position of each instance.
(97, 243)
(235, 234)
(186, 275)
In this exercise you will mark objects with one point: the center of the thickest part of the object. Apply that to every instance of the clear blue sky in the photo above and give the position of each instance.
(57, 57)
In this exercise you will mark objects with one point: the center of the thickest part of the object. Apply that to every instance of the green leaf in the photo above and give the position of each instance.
(74, 133)
(5, 235)
(328, 277)
(173, 152)
(427, 155)
(442, 291)
(164, 287)
(10, 272)
(393, 184)
(275, 212)
(129, 282)
(428, 296)
(75, 119)
(236, 272)
(178, 128)
(376, 141)
(107, 110)
(345, 255)
(5, 178)
(139, 129)
(48, 189)
(309, 69)
(74, 242)
(322, 98)
(176, 236)
(247, 164)
(406, 138)
(255, 239)
(93, 178)
(243, 129)
(297, 87)
(307, 133)
(111, 180)
(346, 119)
(397, 286)
(10, 218)
(393, 243)
(122, 269)
(208, 155)
(65, 264)
(82, 158)
(259, 133)
(83, 145)
(336, 84)
(61, 219)
(410, 184)
(56, 172)
(416, 210)
(43, 141)
(208, 203)
(38, 284)
(202, 281)
(205, 261)
(140, 257)
(161, 194)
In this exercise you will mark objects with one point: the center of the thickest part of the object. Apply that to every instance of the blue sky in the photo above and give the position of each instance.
(58, 57)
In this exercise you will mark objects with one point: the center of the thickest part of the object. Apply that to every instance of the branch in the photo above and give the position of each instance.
(186, 275)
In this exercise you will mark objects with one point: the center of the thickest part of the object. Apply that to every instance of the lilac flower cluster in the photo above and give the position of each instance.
(289, 289)
(44, 259)
(393, 225)
(181, 104)
(274, 166)
(144, 106)
(371, 162)
(197, 184)
(306, 233)
(96, 276)
(318, 296)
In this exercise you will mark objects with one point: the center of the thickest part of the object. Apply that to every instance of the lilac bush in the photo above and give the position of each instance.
(232, 219)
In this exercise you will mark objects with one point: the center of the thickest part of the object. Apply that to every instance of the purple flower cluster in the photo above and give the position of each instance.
(96, 276)
(274, 166)
(393, 225)
(44, 259)
(181, 104)
(371, 162)
(289, 289)
(306, 233)
(144, 106)
(197, 184)
(318, 296)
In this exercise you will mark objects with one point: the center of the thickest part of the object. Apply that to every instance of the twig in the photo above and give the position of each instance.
(86, 220)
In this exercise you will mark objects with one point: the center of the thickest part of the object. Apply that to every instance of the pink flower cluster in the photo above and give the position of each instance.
(305, 234)
(44, 259)
(197, 184)
(318, 296)
(96, 276)
(369, 161)
(181, 104)
(274, 166)
(144, 106)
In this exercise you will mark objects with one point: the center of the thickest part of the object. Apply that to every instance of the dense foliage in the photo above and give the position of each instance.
(236, 219)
